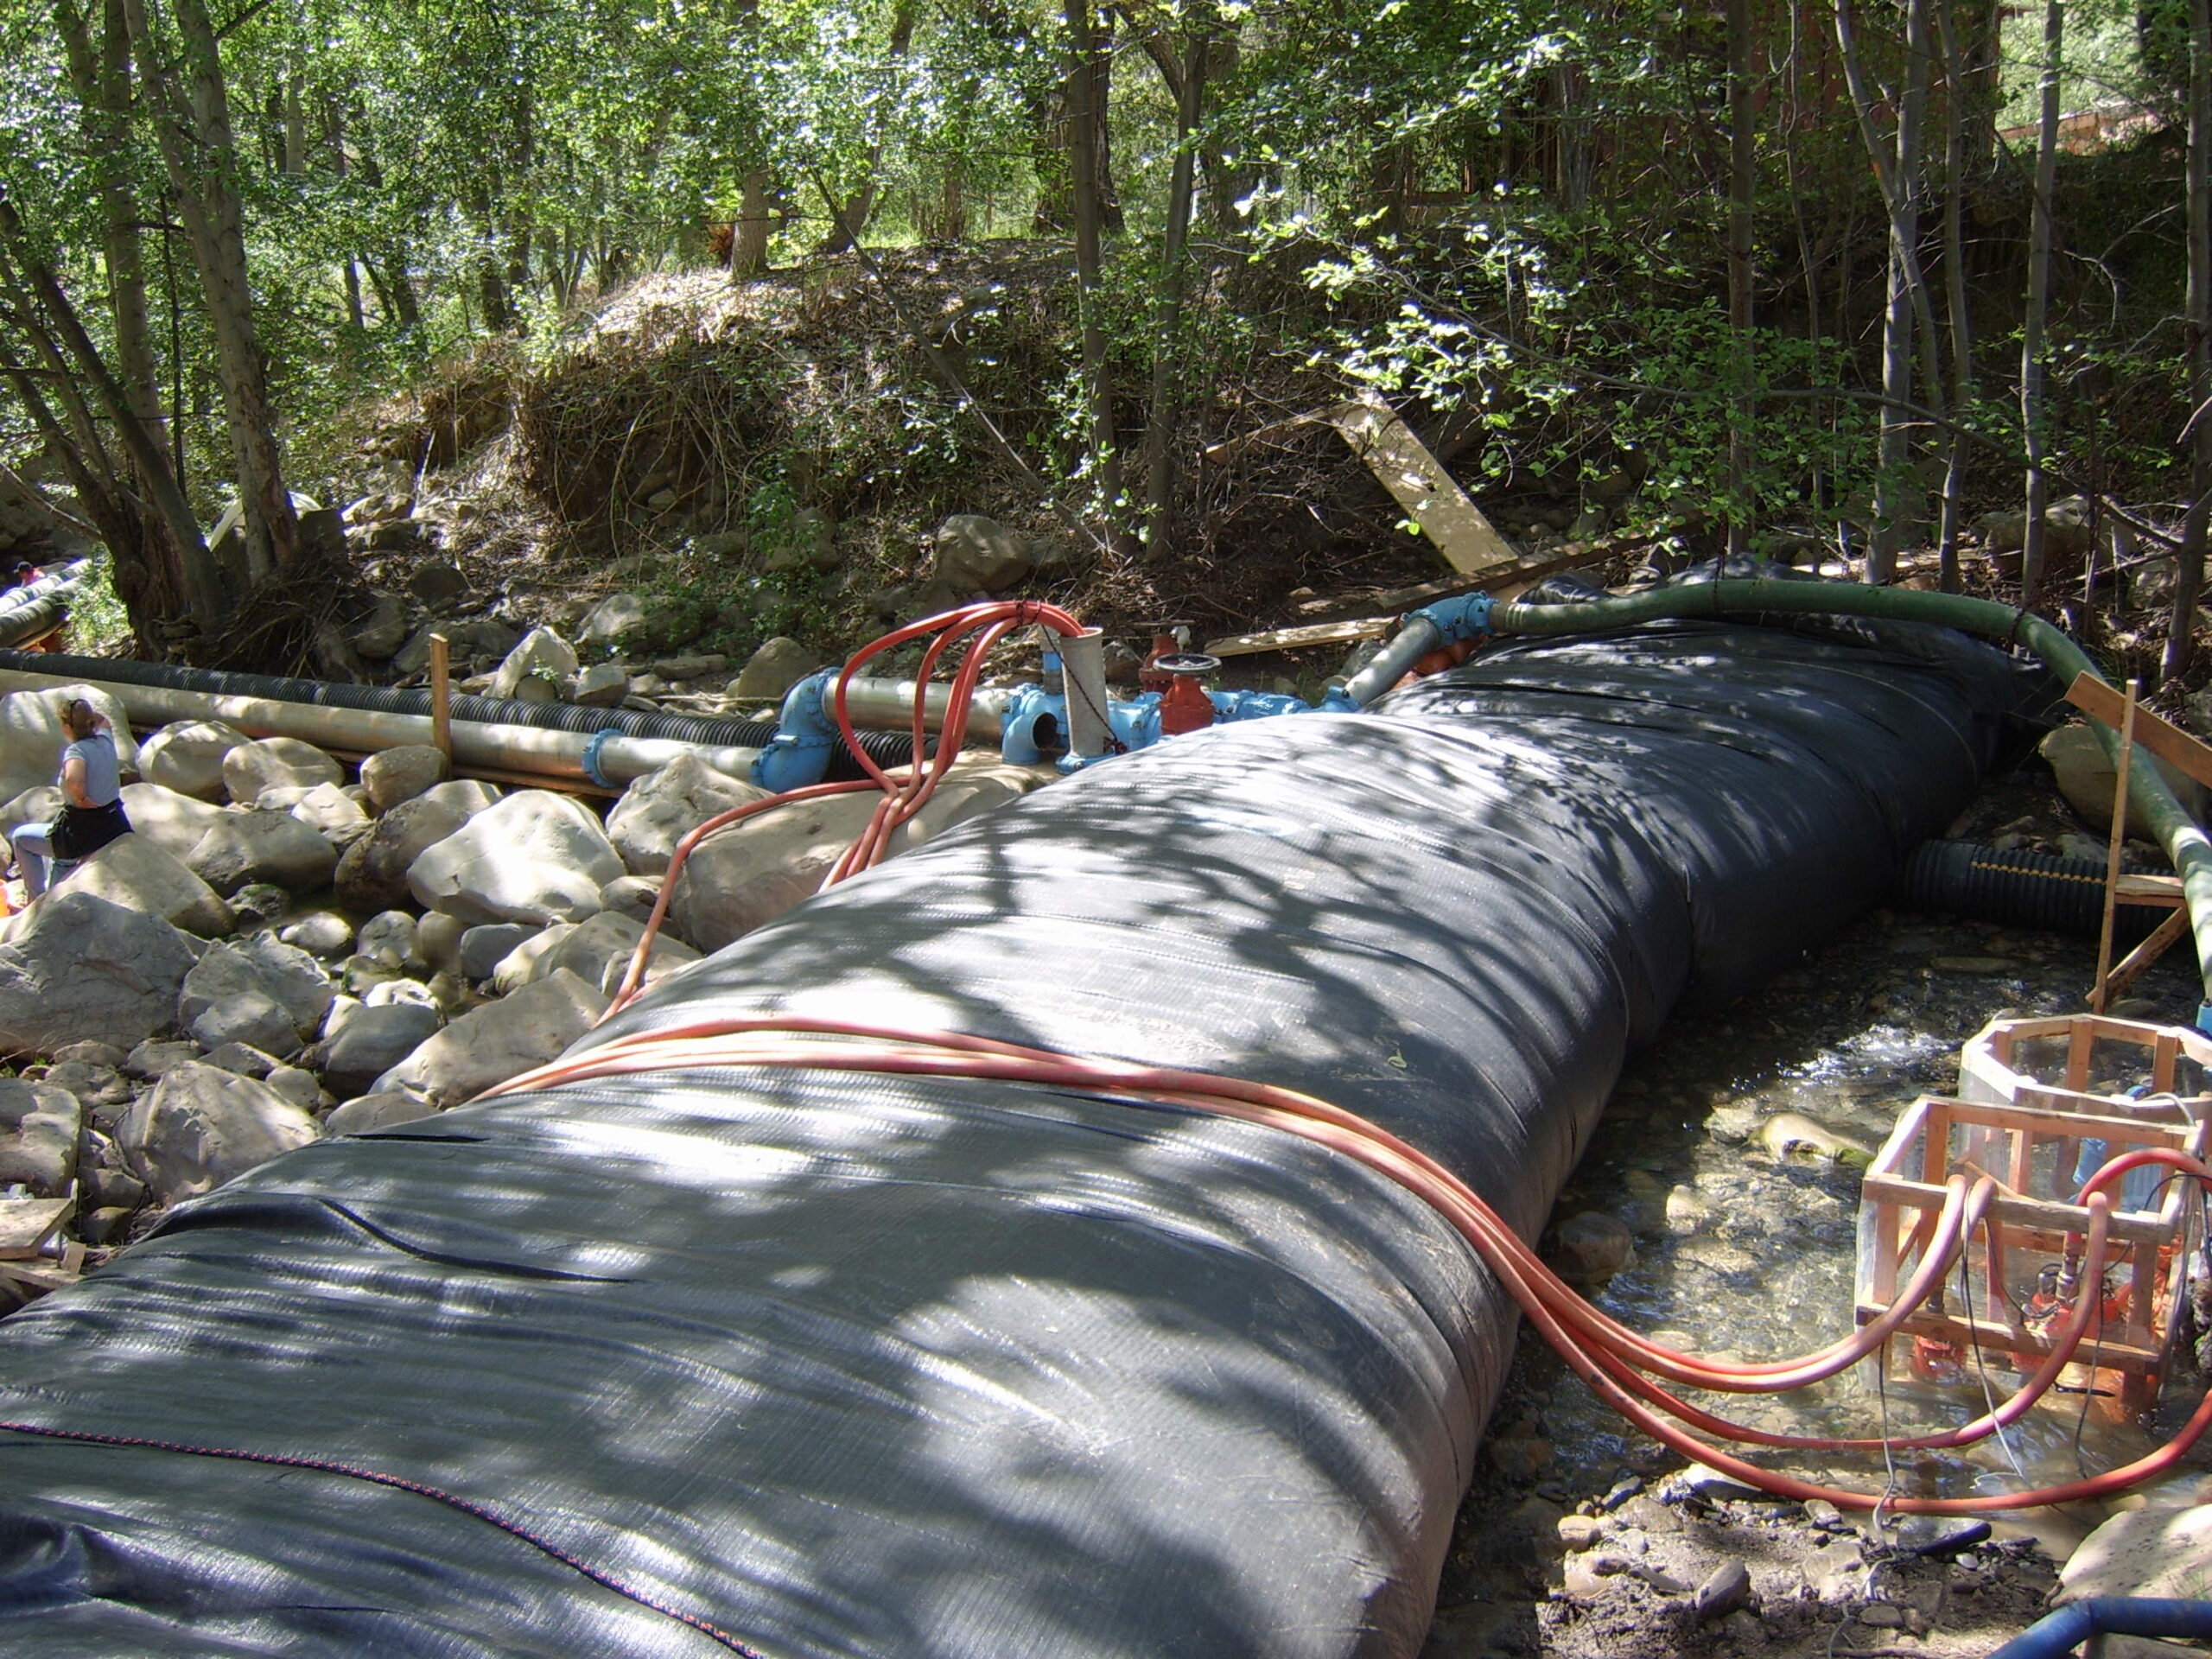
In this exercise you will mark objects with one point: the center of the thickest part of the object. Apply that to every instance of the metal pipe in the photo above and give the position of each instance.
(888, 705)
(1082, 660)
(1416, 640)
(612, 757)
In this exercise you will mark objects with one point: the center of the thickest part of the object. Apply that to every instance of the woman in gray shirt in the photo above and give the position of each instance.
(91, 811)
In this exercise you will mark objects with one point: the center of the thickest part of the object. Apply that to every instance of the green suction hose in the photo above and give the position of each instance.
(2151, 805)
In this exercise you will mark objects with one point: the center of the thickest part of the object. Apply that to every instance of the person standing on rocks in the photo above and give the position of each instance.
(91, 811)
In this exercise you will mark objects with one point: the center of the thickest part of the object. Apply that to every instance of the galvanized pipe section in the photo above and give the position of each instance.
(504, 749)
(1415, 641)
(888, 705)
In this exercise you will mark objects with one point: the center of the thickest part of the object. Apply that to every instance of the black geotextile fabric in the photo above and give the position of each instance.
(880, 1366)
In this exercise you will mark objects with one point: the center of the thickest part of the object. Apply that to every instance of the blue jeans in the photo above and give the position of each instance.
(35, 852)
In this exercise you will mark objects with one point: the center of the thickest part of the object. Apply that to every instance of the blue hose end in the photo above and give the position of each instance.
(2204, 1017)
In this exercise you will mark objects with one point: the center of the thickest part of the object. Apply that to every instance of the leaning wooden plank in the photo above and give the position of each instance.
(1300, 638)
(26, 1224)
(2161, 736)
(1431, 496)
(1229, 450)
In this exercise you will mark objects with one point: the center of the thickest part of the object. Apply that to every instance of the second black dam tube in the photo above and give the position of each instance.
(804, 1363)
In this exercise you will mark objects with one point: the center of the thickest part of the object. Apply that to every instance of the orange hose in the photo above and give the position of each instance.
(1604, 1364)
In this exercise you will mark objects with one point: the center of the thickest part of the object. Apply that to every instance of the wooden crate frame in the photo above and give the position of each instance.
(1905, 1190)
(1989, 1071)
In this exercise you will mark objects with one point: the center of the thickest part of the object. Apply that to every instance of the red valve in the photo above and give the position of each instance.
(1185, 706)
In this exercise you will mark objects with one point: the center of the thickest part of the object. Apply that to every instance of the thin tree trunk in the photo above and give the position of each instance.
(2190, 561)
(1083, 124)
(192, 127)
(2041, 235)
(73, 356)
(853, 217)
(1897, 166)
(748, 247)
(1743, 182)
(1189, 107)
(1959, 112)
(99, 70)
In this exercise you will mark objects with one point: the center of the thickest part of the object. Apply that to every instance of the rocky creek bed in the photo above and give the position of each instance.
(1581, 1540)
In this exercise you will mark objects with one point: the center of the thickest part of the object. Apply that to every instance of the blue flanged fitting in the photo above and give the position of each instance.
(1466, 617)
(1027, 706)
(806, 739)
(591, 758)
(2204, 1017)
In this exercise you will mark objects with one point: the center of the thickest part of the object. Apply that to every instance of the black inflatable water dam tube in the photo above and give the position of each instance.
(807, 1363)
(887, 748)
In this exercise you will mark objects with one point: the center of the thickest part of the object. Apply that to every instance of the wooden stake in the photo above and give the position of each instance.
(442, 697)
(2102, 993)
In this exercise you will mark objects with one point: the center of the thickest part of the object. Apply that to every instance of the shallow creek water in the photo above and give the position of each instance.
(1743, 1252)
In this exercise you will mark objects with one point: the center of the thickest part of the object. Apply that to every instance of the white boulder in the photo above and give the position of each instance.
(200, 1127)
(498, 1040)
(273, 763)
(187, 756)
(662, 807)
(535, 856)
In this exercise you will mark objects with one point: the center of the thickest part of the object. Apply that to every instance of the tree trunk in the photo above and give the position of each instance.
(852, 218)
(1189, 107)
(99, 72)
(1082, 133)
(192, 127)
(189, 572)
(748, 247)
(1897, 167)
(2190, 561)
(1958, 113)
(2040, 236)
(1743, 182)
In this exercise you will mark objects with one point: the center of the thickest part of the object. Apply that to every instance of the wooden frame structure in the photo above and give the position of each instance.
(2027, 1134)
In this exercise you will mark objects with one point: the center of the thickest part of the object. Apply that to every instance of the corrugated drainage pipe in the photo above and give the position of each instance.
(1970, 879)
(2057, 1634)
(698, 731)
(2150, 801)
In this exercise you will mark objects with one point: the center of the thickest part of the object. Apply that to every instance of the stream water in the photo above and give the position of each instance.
(1742, 1251)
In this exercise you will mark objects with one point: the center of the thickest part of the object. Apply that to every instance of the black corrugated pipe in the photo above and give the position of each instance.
(887, 748)
(1975, 881)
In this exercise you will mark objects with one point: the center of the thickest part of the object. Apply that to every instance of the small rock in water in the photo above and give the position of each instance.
(1822, 1513)
(1591, 1247)
(1726, 1590)
(1881, 1615)
(1787, 1132)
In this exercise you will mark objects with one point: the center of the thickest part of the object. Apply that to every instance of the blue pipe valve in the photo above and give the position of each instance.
(1464, 617)
(806, 737)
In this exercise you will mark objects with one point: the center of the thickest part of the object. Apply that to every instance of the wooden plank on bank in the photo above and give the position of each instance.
(1301, 639)
(2161, 736)
(27, 1224)
(1447, 515)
